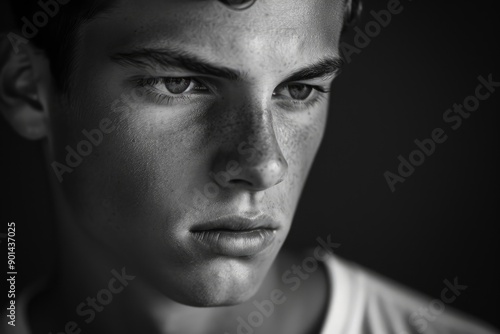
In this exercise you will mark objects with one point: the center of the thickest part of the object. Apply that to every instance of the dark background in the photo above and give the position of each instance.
(437, 225)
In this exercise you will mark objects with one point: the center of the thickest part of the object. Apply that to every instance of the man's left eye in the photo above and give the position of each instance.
(298, 92)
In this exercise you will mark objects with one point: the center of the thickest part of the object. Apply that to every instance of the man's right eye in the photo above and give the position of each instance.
(174, 86)
(182, 85)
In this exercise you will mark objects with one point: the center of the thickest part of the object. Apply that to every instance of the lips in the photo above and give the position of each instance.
(236, 236)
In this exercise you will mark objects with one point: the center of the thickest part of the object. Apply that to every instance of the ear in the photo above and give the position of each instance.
(25, 88)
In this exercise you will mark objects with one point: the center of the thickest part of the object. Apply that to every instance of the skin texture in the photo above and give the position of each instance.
(133, 200)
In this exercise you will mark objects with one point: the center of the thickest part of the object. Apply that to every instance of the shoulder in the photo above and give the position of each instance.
(375, 304)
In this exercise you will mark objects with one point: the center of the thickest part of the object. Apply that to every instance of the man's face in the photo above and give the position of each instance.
(214, 113)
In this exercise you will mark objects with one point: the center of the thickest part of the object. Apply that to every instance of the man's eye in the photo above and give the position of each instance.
(174, 86)
(298, 92)
(178, 85)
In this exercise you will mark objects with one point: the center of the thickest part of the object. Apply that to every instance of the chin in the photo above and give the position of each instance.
(212, 298)
(222, 282)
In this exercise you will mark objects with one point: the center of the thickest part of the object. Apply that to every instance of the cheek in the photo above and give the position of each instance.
(299, 138)
(141, 178)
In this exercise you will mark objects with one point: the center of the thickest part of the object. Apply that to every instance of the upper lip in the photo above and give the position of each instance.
(238, 223)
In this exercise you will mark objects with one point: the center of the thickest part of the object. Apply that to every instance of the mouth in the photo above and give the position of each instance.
(236, 236)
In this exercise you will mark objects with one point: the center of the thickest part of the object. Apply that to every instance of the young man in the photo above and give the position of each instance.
(178, 136)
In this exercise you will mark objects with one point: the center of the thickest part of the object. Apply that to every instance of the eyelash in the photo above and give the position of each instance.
(321, 94)
(159, 98)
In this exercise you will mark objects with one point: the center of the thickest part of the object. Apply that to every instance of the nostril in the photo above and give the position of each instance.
(240, 182)
(267, 167)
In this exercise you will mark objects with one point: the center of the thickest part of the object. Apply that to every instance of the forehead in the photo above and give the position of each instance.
(270, 28)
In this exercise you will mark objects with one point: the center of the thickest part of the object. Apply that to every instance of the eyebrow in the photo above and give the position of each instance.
(152, 58)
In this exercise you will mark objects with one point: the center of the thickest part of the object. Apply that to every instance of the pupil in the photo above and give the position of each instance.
(177, 85)
(299, 92)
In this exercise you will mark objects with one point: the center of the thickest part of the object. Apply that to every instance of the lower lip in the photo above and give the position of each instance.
(236, 243)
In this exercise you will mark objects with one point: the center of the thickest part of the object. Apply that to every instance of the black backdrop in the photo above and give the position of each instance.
(438, 224)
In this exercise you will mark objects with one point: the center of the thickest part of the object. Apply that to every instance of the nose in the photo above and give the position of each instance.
(252, 159)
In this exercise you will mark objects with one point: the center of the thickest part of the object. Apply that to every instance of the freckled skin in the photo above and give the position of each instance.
(134, 194)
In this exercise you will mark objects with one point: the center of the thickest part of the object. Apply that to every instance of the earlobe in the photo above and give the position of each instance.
(28, 124)
(21, 94)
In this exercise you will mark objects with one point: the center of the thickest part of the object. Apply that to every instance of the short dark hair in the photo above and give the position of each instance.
(58, 38)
